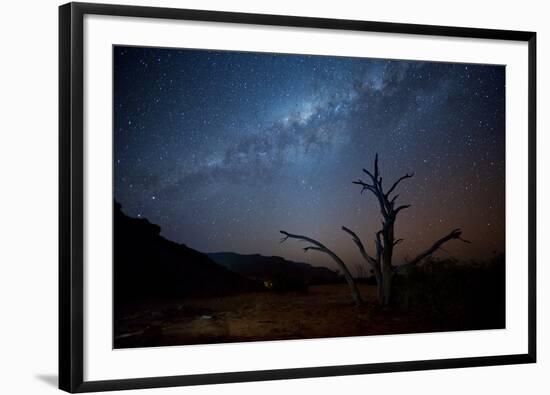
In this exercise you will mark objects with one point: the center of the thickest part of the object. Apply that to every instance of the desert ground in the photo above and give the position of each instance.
(324, 311)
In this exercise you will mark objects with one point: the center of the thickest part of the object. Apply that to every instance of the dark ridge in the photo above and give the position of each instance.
(269, 268)
(148, 266)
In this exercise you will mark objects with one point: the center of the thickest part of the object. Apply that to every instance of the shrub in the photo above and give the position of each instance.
(470, 293)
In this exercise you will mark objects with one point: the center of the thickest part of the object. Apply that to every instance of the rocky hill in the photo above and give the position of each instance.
(148, 266)
(269, 268)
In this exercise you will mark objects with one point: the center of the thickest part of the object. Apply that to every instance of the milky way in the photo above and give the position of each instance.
(224, 149)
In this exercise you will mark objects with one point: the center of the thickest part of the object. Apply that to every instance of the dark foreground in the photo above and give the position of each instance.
(324, 311)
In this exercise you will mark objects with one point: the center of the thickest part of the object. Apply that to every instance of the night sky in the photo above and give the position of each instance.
(224, 149)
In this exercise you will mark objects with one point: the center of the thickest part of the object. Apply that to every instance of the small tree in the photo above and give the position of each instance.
(385, 242)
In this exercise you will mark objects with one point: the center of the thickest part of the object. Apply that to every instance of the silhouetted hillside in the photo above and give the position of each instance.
(148, 266)
(273, 268)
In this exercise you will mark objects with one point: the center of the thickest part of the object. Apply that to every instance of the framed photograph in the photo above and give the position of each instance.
(253, 197)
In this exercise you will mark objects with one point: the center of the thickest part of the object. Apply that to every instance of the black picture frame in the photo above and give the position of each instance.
(71, 224)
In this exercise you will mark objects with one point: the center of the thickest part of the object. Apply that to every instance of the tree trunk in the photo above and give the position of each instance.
(387, 256)
(354, 291)
(386, 287)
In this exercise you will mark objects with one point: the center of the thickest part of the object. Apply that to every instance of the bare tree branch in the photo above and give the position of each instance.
(365, 186)
(397, 182)
(306, 249)
(370, 175)
(392, 201)
(398, 209)
(373, 262)
(317, 246)
(358, 242)
(386, 205)
(454, 235)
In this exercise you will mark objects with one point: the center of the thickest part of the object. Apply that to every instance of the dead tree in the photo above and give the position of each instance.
(385, 241)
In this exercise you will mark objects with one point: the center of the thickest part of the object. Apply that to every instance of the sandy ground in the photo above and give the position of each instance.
(325, 311)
